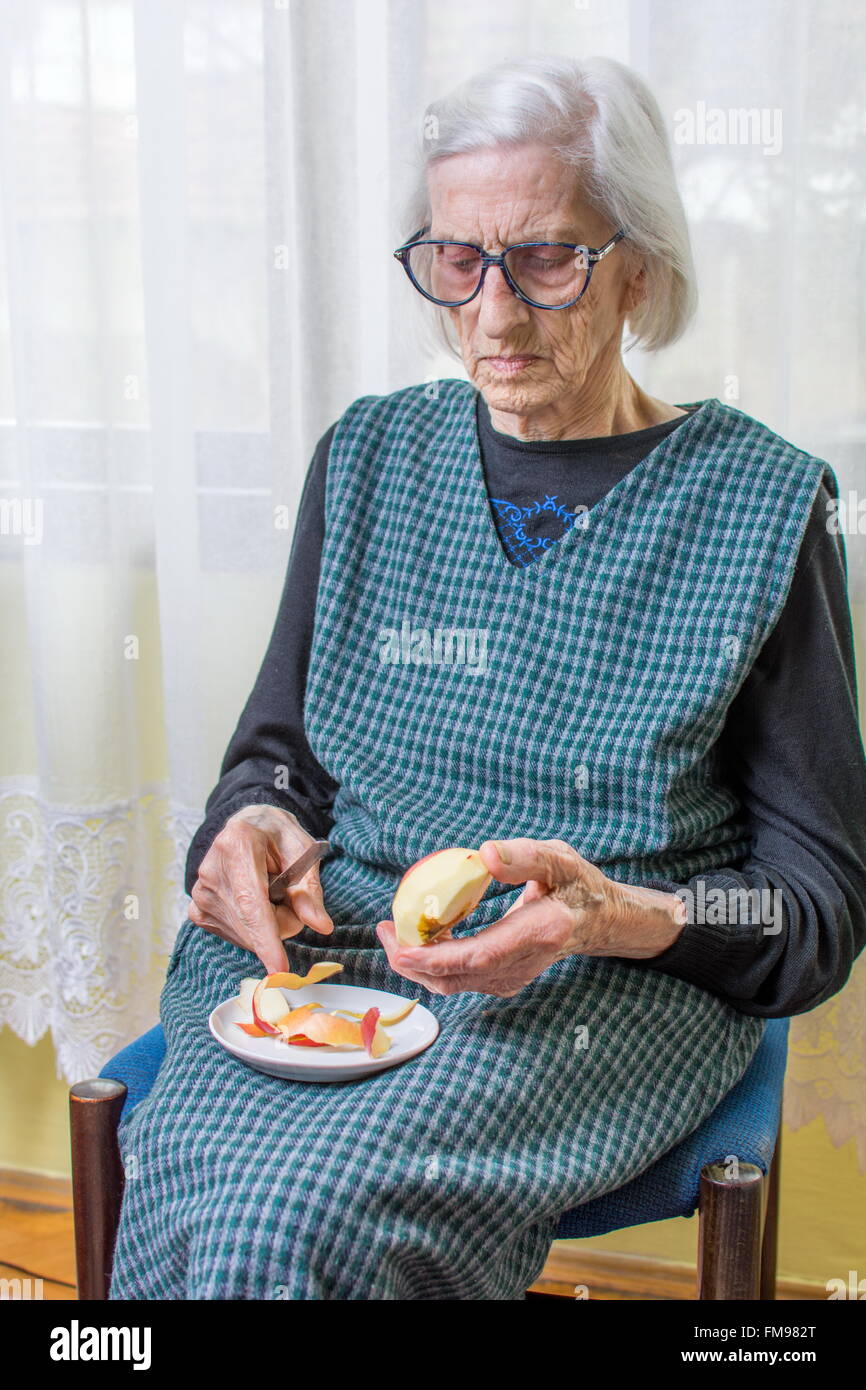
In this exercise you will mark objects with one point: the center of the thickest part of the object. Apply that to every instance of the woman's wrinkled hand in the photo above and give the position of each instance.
(568, 907)
(230, 895)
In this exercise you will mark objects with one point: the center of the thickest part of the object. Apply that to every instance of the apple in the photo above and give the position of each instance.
(438, 891)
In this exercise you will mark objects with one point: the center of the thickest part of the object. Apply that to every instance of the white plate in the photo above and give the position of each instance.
(408, 1037)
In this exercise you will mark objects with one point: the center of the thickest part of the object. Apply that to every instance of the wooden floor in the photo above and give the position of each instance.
(36, 1232)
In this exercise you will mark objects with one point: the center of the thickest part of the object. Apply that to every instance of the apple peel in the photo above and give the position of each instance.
(385, 1022)
(343, 1032)
(369, 1025)
(310, 1025)
(286, 979)
(291, 1022)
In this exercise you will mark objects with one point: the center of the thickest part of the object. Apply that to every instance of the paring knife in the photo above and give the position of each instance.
(278, 884)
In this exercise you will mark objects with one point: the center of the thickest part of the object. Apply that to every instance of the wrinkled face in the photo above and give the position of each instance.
(495, 198)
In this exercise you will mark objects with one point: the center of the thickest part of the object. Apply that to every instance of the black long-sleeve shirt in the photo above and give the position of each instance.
(791, 743)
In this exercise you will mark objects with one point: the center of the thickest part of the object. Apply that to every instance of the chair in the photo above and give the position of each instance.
(738, 1212)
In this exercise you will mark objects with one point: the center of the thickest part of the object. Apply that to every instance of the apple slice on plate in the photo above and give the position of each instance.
(270, 1005)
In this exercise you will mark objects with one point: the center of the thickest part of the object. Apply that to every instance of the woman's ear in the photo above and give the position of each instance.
(635, 290)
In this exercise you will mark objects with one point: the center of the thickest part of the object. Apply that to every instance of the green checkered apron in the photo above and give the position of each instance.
(455, 697)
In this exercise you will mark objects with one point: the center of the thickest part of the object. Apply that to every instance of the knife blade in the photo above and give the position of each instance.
(278, 883)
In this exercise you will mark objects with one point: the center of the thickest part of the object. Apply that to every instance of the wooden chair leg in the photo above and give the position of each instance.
(97, 1180)
(730, 1229)
(769, 1245)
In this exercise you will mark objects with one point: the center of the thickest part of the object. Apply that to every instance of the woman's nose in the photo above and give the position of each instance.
(499, 306)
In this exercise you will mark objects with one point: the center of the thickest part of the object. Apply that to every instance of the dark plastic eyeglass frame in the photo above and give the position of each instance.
(593, 254)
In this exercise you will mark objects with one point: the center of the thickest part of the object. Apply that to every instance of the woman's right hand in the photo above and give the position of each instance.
(230, 895)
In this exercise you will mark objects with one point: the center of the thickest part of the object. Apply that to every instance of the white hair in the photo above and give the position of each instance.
(601, 119)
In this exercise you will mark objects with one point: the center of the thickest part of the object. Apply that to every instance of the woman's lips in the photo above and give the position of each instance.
(508, 366)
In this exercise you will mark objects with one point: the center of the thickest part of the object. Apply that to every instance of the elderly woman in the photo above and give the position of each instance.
(659, 632)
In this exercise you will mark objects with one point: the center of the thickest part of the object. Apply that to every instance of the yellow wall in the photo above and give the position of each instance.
(34, 1131)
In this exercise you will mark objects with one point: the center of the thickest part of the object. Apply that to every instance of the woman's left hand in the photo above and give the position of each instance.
(568, 907)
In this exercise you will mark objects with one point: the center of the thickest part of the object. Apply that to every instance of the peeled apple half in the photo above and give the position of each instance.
(438, 891)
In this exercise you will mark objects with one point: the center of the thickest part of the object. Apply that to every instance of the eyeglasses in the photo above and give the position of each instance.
(545, 274)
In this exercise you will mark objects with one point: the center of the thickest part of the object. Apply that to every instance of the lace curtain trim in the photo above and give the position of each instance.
(826, 1074)
(91, 899)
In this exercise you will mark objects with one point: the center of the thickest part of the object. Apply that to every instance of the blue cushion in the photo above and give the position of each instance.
(746, 1123)
(136, 1066)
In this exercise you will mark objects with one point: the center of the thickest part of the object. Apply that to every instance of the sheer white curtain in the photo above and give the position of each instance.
(199, 199)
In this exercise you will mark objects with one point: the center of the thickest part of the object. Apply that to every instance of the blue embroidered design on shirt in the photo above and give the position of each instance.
(514, 526)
